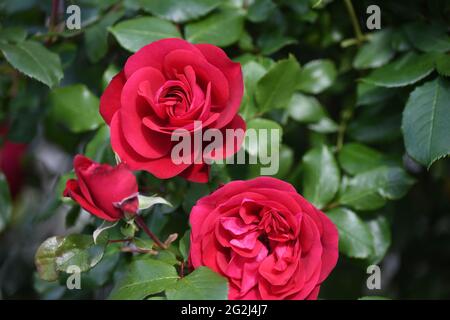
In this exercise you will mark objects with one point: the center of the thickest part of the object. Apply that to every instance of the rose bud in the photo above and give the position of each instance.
(166, 86)
(106, 192)
(265, 238)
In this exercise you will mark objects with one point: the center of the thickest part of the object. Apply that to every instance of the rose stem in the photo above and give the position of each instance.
(139, 250)
(119, 240)
(141, 224)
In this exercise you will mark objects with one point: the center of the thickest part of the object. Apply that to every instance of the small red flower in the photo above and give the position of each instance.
(11, 155)
(105, 191)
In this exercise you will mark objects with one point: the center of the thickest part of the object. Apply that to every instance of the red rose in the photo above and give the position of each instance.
(104, 191)
(11, 154)
(265, 238)
(167, 85)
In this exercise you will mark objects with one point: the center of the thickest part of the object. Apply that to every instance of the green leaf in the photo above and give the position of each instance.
(264, 129)
(325, 125)
(13, 34)
(184, 245)
(286, 162)
(48, 290)
(5, 203)
(375, 53)
(381, 235)
(34, 60)
(368, 94)
(60, 253)
(45, 259)
(135, 33)
(201, 284)
(426, 122)
(96, 36)
(97, 147)
(265, 62)
(366, 126)
(404, 71)
(355, 239)
(102, 273)
(321, 176)
(443, 64)
(146, 202)
(194, 192)
(252, 71)
(246, 42)
(305, 109)
(272, 42)
(260, 10)
(316, 76)
(72, 216)
(81, 251)
(356, 158)
(67, 52)
(286, 159)
(146, 244)
(275, 89)
(220, 29)
(167, 256)
(394, 182)
(370, 190)
(179, 11)
(428, 38)
(144, 277)
(75, 107)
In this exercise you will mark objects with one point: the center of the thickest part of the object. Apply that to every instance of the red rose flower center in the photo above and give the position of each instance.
(259, 226)
(178, 101)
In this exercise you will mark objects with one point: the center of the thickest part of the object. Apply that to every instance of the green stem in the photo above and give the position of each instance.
(331, 206)
(141, 224)
(119, 240)
(351, 11)
(347, 114)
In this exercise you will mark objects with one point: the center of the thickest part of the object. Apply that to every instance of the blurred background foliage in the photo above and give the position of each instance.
(365, 116)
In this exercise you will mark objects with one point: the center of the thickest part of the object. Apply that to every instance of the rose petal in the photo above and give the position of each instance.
(198, 173)
(152, 55)
(233, 74)
(72, 190)
(235, 131)
(109, 185)
(110, 99)
(162, 168)
(147, 143)
(206, 72)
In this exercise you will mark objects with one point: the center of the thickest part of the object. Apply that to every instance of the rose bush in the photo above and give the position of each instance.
(165, 86)
(265, 238)
(105, 191)
(360, 116)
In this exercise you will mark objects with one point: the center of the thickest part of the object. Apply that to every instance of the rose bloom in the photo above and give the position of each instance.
(11, 155)
(104, 191)
(165, 86)
(265, 238)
